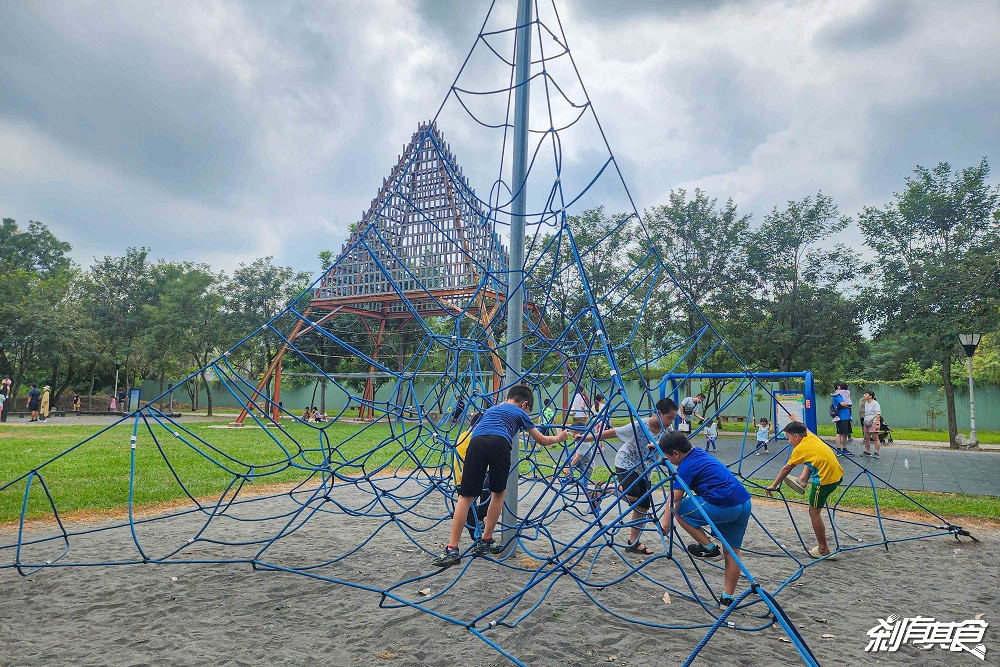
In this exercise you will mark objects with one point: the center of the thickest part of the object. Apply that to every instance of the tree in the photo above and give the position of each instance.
(188, 316)
(987, 360)
(36, 280)
(35, 249)
(254, 295)
(705, 250)
(118, 289)
(797, 315)
(556, 269)
(939, 249)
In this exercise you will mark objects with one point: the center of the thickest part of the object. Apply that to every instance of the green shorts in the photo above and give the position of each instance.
(818, 493)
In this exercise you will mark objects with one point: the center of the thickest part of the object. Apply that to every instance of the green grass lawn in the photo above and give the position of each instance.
(944, 504)
(94, 476)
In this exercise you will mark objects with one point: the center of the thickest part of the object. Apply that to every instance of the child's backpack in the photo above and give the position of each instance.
(833, 410)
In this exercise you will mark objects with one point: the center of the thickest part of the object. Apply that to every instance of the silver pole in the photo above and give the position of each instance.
(515, 275)
(972, 406)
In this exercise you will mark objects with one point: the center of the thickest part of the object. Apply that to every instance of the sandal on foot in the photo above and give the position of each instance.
(639, 548)
(815, 553)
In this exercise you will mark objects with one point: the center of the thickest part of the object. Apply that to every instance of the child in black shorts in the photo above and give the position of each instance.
(489, 451)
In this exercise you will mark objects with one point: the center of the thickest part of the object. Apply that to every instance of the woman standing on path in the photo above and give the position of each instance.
(44, 408)
(872, 423)
(8, 403)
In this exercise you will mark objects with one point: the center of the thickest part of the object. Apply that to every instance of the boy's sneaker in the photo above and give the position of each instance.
(451, 556)
(725, 601)
(865, 454)
(875, 455)
(485, 547)
(711, 552)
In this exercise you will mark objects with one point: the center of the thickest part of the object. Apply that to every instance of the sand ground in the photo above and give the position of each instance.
(231, 614)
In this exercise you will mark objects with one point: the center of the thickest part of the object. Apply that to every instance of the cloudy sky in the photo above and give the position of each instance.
(224, 131)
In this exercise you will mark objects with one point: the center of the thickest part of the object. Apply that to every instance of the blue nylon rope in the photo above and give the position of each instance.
(404, 483)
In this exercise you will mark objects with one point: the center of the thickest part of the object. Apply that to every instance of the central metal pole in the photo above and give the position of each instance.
(515, 275)
(973, 438)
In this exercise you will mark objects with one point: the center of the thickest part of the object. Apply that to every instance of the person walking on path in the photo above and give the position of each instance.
(44, 407)
(8, 401)
(871, 423)
(840, 410)
(34, 402)
(77, 404)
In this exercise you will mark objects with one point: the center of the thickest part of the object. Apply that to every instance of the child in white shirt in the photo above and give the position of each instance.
(711, 431)
(763, 436)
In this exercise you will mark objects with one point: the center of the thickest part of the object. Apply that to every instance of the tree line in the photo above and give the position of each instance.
(786, 294)
(75, 330)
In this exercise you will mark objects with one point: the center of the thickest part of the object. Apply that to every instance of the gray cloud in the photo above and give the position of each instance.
(603, 10)
(124, 99)
(876, 24)
(227, 131)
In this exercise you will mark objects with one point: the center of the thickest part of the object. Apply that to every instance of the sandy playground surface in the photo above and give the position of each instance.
(231, 614)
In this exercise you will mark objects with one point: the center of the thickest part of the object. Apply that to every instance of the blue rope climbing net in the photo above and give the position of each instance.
(397, 468)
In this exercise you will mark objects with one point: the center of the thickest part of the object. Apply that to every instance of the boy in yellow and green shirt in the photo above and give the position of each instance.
(821, 470)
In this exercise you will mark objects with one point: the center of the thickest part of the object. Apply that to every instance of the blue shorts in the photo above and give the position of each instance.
(731, 522)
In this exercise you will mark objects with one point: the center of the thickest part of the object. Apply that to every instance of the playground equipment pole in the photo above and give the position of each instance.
(515, 275)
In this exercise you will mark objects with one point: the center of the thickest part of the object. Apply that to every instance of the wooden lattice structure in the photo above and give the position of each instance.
(424, 248)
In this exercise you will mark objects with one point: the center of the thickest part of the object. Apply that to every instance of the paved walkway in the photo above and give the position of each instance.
(907, 468)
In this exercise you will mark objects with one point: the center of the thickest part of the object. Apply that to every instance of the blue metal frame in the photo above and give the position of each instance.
(809, 388)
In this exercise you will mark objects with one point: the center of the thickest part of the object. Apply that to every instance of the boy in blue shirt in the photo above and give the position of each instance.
(722, 497)
(489, 451)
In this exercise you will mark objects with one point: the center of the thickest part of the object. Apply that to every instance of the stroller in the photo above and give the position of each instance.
(885, 433)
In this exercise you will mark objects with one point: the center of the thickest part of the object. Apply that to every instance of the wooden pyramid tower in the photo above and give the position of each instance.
(425, 246)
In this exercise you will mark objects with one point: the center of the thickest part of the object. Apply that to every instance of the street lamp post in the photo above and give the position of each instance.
(118, 364)
(970, 341)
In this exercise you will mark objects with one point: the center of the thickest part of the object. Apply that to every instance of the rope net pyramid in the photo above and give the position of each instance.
(415, 309)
